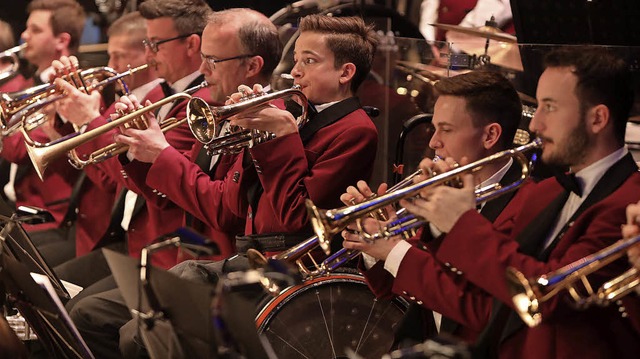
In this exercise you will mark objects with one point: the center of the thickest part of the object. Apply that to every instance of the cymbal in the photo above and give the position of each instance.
(485, 32)
(430, 71)
(526, 98)
(502, 53)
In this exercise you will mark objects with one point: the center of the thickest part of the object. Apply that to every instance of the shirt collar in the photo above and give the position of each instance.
(181, 85)
(589, 176)
(142, 91)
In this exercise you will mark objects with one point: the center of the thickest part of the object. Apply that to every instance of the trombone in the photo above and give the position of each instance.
(21, 108)
(42, 154)
(529, 293)
(12, 55)
(204, 121)
(329, 222)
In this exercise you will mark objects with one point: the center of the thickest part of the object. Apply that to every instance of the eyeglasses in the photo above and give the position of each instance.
(153, 44)
(211, 61)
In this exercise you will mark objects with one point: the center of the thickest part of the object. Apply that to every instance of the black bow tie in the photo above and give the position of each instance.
(569, 182)
(167, 90)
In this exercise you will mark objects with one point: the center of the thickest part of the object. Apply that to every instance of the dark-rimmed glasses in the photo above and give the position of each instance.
(153, 44)
(211, 61)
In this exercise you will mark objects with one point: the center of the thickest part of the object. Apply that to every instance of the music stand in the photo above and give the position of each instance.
(176, 315)
(37, 300)
(15, 242)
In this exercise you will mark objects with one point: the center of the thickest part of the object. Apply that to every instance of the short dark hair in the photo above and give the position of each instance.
(66, 16)
(350, 40)
(489, 98)
(189, 16)
(258, 35)
(603, 78)
(132, 25)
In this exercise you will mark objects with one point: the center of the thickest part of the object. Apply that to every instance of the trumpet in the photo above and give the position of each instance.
(12, 55)
(42, 154)
(329, 222)
(297, 253)
(21, 108)
(204, 122)
(529, 293)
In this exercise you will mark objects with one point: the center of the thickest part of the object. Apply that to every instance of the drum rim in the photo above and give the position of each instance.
(274, 304)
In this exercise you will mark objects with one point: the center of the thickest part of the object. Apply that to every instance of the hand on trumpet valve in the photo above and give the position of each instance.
(442, 206)
(144, 137)
(378, 249)
(267, 117)
(75, 106)
(362, 192)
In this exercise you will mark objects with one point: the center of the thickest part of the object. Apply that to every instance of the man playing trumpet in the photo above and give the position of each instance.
(584, 99)
(476, 115)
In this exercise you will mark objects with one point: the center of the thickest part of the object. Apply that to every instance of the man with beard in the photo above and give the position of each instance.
(584, 98)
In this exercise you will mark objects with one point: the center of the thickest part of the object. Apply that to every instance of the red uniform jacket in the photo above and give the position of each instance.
(483, 254)
(289, 169)
(16, 83)
(150, 221)
(52, 193)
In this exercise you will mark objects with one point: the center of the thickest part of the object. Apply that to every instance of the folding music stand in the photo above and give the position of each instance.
(176, 315)
(37, 300)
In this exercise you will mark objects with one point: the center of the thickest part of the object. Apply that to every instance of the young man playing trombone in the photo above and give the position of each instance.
(584, 99)
(475, 116)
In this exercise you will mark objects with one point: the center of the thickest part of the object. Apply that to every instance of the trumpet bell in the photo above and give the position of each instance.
(201, 120)
(525, 298)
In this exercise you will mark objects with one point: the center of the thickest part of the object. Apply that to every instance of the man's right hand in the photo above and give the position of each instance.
(76, 106)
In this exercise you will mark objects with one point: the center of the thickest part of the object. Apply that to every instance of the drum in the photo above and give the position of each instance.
(323, 317)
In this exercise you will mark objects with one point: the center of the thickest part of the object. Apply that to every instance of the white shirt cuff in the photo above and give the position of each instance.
(369, 261)
(392, 264)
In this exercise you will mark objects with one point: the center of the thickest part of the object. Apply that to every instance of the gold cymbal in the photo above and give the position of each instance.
(485, 32)
(502, 53)
(430, 71)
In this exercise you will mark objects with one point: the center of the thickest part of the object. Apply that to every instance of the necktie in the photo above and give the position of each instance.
(569, 182)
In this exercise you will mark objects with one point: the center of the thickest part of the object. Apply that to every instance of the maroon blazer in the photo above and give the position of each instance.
(53, 192)
(16, 83)
(151, 221)
(484, 256)
(289, 170)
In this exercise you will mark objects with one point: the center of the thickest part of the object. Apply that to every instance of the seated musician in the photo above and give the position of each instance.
(53, 29)
(180, 23)
(476, 115)
(584, 99)
(339, 151)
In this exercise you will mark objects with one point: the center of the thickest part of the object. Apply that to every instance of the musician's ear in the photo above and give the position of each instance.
(491, 135)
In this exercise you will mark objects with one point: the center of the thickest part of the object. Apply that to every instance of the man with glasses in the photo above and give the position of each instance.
(173, 52)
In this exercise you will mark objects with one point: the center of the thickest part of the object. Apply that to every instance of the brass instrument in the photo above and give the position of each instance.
(204, 122)
(296, 253)
(21, 108)
(12, 55)
(41, 154)
(329, 222)
(529, 293)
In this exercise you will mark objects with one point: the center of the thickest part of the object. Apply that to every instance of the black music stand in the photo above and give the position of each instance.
(176, 316)
(15, 242)
(38, 302)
